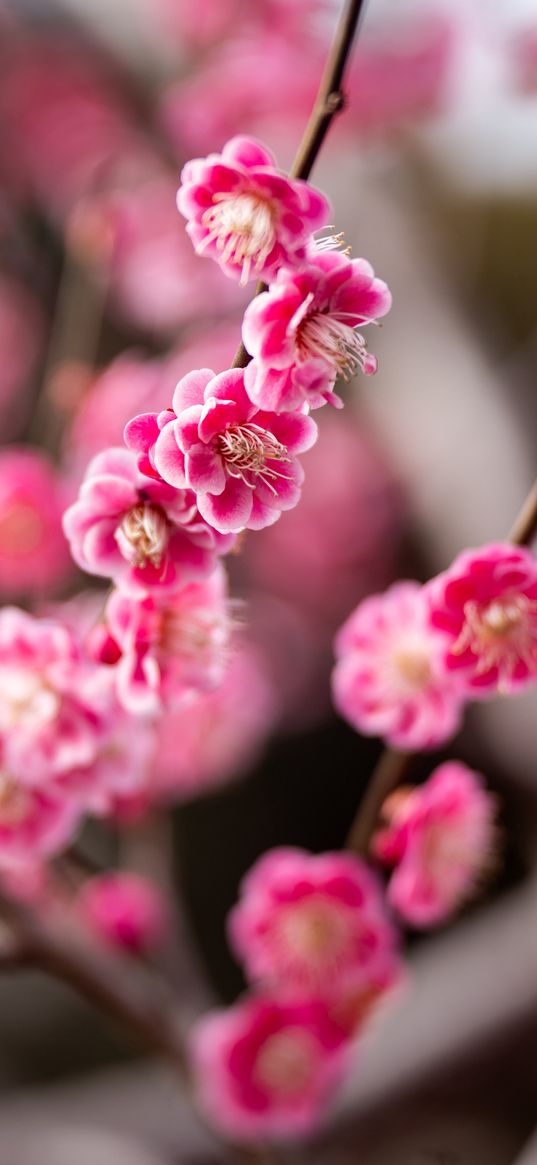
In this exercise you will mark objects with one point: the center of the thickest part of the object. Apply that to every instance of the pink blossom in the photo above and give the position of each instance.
(309, 925)
(486, 605)
(34, 556)
(222, 732)
(239, 461)
(34, 823)
(440, 837)
(169, 647)
(389, 678)
(266, 1067)
(51, 712)
(140, 532)
(123, 763)
(125, 910)
(247, 215)
(302, 332)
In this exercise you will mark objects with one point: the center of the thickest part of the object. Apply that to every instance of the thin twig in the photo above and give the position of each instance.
(387, 773)
(330, 101)
(392, 766)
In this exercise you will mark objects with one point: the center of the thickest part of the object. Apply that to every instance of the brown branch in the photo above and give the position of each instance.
(330, 101)
(392, 765)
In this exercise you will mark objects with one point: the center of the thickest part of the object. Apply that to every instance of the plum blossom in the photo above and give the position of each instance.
(239, 460)
(170, 646)
(266, 1067)
(34, 823)
(311, 924)
(52, 712)
(389, 679)
(125, 910)
(486, 605)
(303, 334)
(34, 556)
(138, 531)
(441, 838)
(247, 215)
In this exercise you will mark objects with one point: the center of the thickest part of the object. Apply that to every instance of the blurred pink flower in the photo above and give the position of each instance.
(221, 732)
(34, 556)
(239, 461)
(247, 215)
(170, 647)
(486, 606)
(389, 678)
(441, 838)
(267, 1068)
(302, 331)
(51, 712)
(401, 71)
(212, 20)
(124, 909)
(156, 280)
(142, 533)
(309, 925)
(34, 823)
(66, 119)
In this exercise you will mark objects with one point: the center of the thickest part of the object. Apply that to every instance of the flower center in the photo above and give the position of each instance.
(193, 635)
(413, 666)
(322, 336)
(27, 700)
(316, 931)
(501, 634)
(13, 801)
(143, 535)
(284, 1064)
(249, 452)
(243, 226)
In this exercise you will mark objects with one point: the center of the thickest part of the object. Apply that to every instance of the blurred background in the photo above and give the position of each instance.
(103, 306)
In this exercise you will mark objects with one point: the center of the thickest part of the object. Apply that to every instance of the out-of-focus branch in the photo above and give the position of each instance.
(330, 101)
(392, 765)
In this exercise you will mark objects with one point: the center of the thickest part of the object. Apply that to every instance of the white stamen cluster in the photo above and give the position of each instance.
(247, 450)
(143, 535)
(243, 227)
(501, 634)
(322, 336)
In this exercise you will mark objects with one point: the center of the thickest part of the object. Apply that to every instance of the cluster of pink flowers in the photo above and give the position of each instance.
(319, 950)
(157, 516)
(409, 659)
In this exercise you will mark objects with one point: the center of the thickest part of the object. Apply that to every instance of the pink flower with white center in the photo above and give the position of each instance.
(486, 605)
(140, 532)
(245, 213)
(125, 910)
(239, 460)
(51, 711)
(390, 679)
(34, 823)
(123, 764)
(34, 556)
(307, 925)
(170, 646)
(303, 334)
(441, 839)
(266, 1067)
